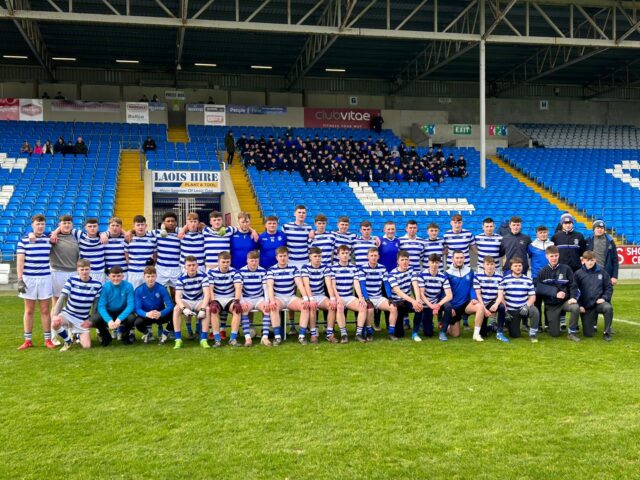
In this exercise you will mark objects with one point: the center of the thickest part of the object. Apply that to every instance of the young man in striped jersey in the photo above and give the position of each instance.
(363, 243)
(374, 282)
(318, 282)
(488, 243)
(283, 279)
(114, 255)
(520, 297)
(432, 288)
(464, 301)
(486, 283)
(269, 241)
(414, 246)
(401, 288)
(343, 235)
(34, 280)
(192, 242)
(192, 301)
(254, 297)
(168, 252)
(323, 240)
(346, 281)
(73, 309)
(433, 244)
(140, 251)
(224, 296)
(243, 241)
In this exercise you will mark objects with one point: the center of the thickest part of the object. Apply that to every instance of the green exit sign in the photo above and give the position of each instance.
(462, 130)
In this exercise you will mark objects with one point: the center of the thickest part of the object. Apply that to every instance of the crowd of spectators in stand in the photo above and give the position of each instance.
(345, 159)
(61, 147)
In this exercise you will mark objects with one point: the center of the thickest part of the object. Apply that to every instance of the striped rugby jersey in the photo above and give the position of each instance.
(325, 242)
(168, 249)
(191, 287)
(114, 253)
(90, 249)
(516, 290)
(284, 284)
(297, 241)
(401, 280)
(433, 285)
(214, 243)
(36, 256)
(316, 277)
(192, 244)
(361, 248)
(462, 240)
(488, 285)
(415, 247)
(488, 245)
(252, 281)
(344, 276)
(140, 249)
(80, 296)
(223, 283)
(374, 278)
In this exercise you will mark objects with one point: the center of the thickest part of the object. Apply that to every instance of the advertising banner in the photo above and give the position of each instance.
(80, 106)
(9, 109)
(137, 112)
(256, 110)
(498, 130)
(214, 115)
(339, 117)
(195, 107)
(185, 181)
(157, 107)
(31, 110)
(629, 255)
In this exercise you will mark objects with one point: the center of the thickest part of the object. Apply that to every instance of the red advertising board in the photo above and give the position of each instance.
(629, 255)
(338, 117)
(9, 109)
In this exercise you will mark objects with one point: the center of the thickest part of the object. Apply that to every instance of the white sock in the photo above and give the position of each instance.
(476, 330)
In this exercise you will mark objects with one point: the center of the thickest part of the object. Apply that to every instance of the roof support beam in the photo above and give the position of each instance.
(184, 10)
(621, 77)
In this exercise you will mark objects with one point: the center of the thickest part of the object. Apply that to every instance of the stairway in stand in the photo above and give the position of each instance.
(177, 135)
(247, 200)
(130, 189)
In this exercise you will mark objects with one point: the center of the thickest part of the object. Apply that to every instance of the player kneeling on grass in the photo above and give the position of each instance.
(282, 281)
(115, 308)
(153, 306)
(73, 308)
(192, 300)
(318, 279)
(596, 290)
(252, 278)
(487, 286)
(224, 296)
(520, 298)
(346, 280)
(375, 279)
(464, 299)
(432, 288)
(400, 281)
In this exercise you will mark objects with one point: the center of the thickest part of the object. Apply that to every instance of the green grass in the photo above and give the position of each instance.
(402, 410)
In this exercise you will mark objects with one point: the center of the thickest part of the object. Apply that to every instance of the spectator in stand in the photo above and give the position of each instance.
(59, 146)
(68, 149)
(604, 247)
(149, 145)
(154, 99)
(376, 123)
(60, 96)
(48, 148)
(230, 145)
(26, 149)
(37, 150)
(144, 98)
(210, 101)
(45, 96)
(80, 147)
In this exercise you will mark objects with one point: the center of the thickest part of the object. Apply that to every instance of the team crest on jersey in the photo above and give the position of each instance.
(599, 276)
(521, 242)
(575, 241)
(157, 295)
(561, 277)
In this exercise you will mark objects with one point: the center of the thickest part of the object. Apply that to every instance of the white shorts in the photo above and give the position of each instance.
(73, 324)
(297, 264)
(58, 279)
(320, 298)
(38, 288)
(224, 301)
(377, 301)
(286, 301)
(136, 279)
(253, 303)
(193, 305)
(347, 300)
(168, 276)
(99, 277)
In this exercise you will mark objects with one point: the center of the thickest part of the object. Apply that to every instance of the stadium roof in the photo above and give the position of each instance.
(592, 43)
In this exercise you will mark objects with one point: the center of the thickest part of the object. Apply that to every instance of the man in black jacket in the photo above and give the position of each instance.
(516, 244)
(596, 290)
(556, 287)
(570, 243)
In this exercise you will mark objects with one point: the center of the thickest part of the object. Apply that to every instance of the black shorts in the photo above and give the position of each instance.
(459, 312)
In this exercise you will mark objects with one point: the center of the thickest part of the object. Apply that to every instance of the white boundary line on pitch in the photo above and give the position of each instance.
(628, 322)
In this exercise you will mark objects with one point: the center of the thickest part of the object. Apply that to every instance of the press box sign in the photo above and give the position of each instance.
(178, 181)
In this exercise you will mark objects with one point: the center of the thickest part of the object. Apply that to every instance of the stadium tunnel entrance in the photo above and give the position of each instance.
(183, 205)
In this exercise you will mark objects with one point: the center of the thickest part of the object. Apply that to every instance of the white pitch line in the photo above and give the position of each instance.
(628, 322)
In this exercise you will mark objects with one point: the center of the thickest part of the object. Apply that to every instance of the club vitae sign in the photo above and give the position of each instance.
(177, 181)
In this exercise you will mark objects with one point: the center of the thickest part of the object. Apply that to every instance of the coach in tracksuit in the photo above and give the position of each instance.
(570, 243)
(596, 290)
(604, 247)
(556, 287)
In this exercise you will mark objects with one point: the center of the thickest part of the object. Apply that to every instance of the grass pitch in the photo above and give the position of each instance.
(377, 411)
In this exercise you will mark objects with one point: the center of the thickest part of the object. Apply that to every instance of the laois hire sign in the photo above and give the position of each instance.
(184, 181)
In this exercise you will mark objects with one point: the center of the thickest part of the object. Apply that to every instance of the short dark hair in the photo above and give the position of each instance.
(551, 249)
(115, 269)
(315, 251)
(515, 260)
(434, 257)
(515, 219)
(542, 228)
(170, 215)
(139, 219)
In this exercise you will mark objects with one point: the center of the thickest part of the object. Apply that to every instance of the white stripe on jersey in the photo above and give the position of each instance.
(284, 284)
(80, 296)
(433, 246)
(347, 239)
(325, 242)
(90, 249)
(374, 279)
(488, 245)
(223, 282)
(191, 287)
(433, 285)
(252, 281)
(402, 280)
(114, 253)
(215, 244)
(192, 244)
(415, 247)
(297, 241)
(168, 249)
(516, 290)
(36, 256)
(140, 249)
(459, 241)
(316, 277)
(488, 285)
(344, 276)
(361, 250)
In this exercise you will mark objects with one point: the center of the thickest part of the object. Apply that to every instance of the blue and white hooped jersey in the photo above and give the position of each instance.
(297, 241)
(347, 239)
(325, 242)
(401, 280)
(140, 250)
(361, 250)
(434, 285)
(36, 256)
(192, 287)
(168, 249)
(415, 247)
(516, 290)
(459, 241)
(345, 276)
(488, 285)
(192, 244)
(433, 246)
(374, 279)
(284, 283)
(80, 296)
(223, 283)
(90, 249)
(114, 253)
(488, 245)
(253, 281)
(215, 244)
(316, 277)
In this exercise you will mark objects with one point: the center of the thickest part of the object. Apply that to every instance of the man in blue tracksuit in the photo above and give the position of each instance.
(596, 290)
(153, 305)
(538, 260)
(464, 299)
(604, 247)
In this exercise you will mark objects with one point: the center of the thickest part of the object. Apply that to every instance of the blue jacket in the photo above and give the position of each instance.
(116, 298)
(611, 260)
(461, 281)
(538, 257)
(156, 298)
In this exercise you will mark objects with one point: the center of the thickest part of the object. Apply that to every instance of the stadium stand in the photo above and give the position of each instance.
(582, 136)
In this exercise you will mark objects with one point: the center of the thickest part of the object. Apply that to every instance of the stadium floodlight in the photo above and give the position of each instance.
(206, 64)
(127, 61)
(64, 59)
(261, 67)
(15, 57)
(336, 70)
